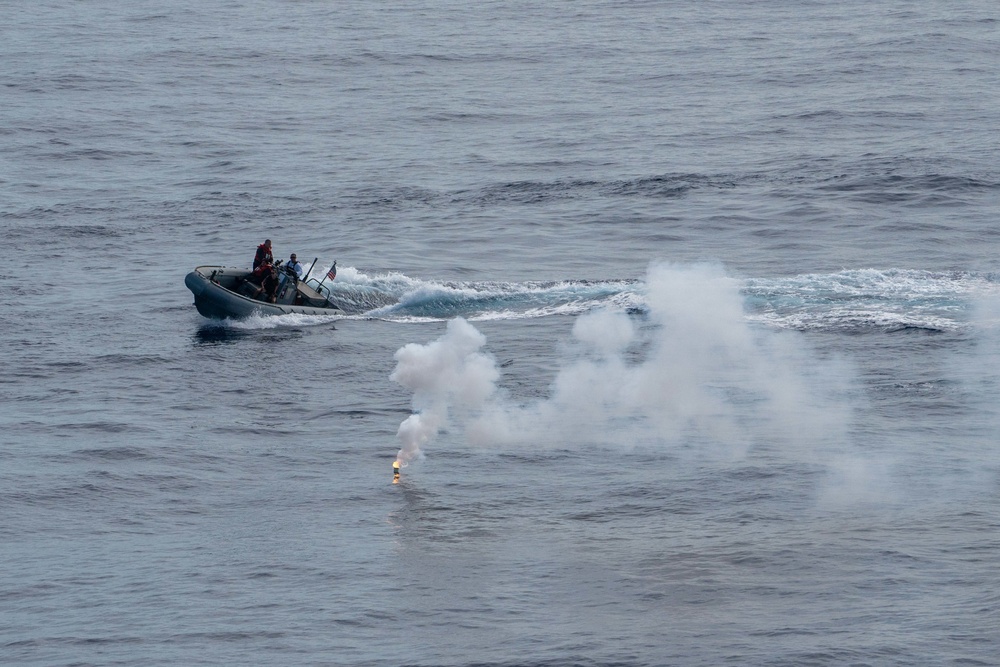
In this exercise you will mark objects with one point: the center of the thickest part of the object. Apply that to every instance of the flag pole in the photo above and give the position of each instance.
(331, 274)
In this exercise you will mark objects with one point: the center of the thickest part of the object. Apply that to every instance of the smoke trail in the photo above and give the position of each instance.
(450, 373)
(975, 369)
(693, 372)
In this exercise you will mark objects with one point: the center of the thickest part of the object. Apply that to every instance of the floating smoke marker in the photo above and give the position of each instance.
(395, 471)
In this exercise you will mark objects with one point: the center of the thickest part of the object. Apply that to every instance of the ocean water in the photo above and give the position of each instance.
(684, 318)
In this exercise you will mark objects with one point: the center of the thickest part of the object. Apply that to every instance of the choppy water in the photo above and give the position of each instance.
(691, 310)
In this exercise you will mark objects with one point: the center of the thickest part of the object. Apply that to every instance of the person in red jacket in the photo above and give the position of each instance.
(263, 255)
(266, 276)
(257, 275)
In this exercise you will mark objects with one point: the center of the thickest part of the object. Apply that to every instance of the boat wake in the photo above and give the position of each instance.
(399, 298)
(870, 299)
(849, 300)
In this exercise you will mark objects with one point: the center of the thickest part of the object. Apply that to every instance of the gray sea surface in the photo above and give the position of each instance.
(683, 317)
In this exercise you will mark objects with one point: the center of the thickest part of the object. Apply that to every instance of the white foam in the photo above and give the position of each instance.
(258, 321)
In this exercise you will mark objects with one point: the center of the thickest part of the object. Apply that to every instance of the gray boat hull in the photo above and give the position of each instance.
(217, 294)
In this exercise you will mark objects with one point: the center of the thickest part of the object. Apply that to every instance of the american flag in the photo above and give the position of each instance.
(332, 273)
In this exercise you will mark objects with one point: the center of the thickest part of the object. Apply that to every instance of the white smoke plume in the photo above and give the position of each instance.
(694, 372)
(450, 373)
